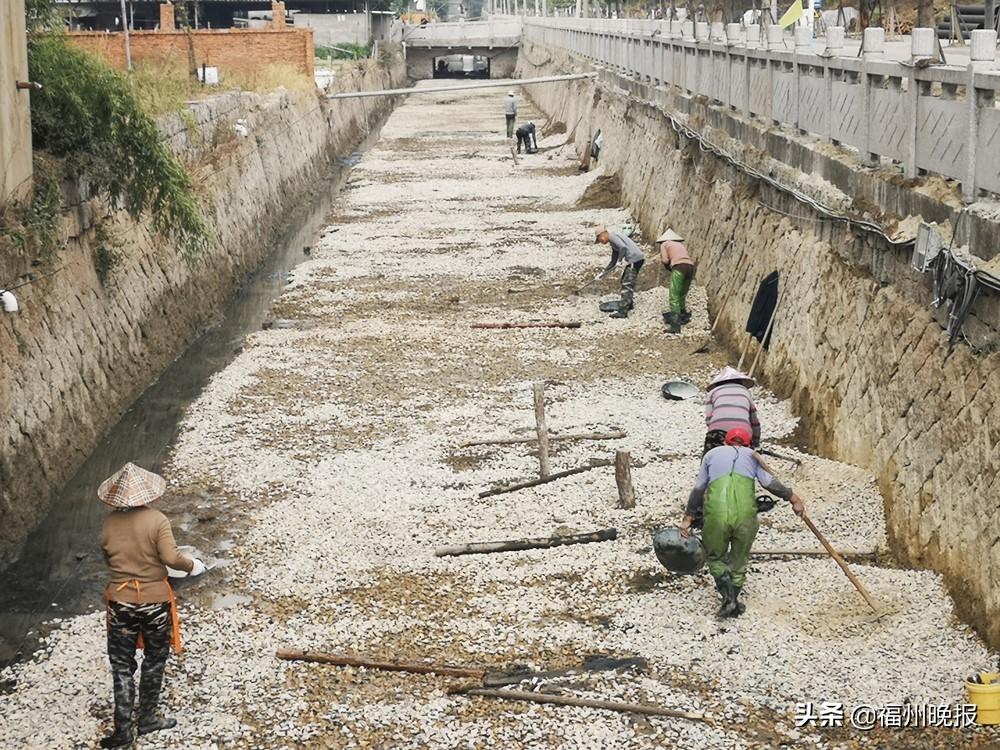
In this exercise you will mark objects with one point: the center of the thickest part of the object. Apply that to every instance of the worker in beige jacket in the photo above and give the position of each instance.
(675, 259)
(138, 545)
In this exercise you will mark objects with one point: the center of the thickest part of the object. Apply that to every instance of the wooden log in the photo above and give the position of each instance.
(542, 480)
(623, 478)
(541, 429)
(530, 324)
(552, 438)
(342, 660)
(518, 545)
(565, 700)
(811, 553)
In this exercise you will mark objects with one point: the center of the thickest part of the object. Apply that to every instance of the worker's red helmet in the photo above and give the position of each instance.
(738, 436)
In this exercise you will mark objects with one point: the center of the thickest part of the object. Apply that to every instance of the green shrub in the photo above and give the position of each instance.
(34, 225)
(91, 118)
(346, 51)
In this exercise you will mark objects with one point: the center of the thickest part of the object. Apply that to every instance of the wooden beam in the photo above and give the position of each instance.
(342, 660)
(570, 436)
(541, 429)
(532, 324)
(542, 480)
(518, 545)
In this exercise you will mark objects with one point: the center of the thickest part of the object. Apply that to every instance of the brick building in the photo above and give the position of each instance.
(105, 15)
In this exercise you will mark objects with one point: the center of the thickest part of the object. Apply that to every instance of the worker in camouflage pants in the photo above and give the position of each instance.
(728, 474)
(138, 545)
(125, 623)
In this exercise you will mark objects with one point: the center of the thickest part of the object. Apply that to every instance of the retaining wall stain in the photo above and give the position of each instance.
(856, 346)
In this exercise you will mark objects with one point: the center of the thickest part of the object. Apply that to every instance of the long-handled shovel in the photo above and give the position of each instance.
(843, 565)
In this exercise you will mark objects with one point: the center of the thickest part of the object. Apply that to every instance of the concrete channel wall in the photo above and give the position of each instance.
(15, 123)
(82, 350)
(939, 118)
(856, 346)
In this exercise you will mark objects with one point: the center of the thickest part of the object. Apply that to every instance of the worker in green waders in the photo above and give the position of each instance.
(728, 474)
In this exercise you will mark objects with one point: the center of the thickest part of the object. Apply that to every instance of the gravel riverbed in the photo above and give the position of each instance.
(337, 430)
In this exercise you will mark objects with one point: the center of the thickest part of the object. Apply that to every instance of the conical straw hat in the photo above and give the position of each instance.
(670, 236)
(731, 375)
(130, 487)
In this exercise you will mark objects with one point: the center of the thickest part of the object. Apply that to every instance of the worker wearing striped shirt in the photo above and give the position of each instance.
(728, 406)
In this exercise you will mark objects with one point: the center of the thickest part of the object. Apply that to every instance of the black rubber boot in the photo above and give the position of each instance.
(739, 607)
(155, 724)
(610, 305)
(621, 312)
(123, 736)
(124, 691)
(673, 322)
(727, 590)
(685, 317)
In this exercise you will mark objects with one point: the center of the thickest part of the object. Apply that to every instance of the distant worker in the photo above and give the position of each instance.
(730, 513)
(526, 134)
(728, 406)
(138, 544)
(677, 262)
(510, 112)
(622, 248)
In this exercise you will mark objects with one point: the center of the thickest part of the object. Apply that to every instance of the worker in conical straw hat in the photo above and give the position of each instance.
(677, 262)
(623, 248)
(727, 476)
(138, 545)
(729, 405)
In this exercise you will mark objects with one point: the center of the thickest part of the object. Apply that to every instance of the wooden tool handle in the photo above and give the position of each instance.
(840, 561)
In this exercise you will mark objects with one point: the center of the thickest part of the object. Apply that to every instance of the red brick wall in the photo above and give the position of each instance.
(231, 49)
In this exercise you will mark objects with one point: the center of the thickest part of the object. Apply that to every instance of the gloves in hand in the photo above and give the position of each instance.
(198, 569)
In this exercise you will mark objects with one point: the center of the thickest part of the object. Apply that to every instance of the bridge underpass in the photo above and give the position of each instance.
(495, 41)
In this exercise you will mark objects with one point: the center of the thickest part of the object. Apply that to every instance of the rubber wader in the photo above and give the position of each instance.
(730, 527)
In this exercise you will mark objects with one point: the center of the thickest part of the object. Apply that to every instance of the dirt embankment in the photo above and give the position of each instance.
(856, 346)
(84, 347)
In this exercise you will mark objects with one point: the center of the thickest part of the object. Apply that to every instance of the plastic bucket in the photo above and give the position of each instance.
(986, 698)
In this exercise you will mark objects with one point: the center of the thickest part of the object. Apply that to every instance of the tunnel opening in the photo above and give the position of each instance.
(461, 66)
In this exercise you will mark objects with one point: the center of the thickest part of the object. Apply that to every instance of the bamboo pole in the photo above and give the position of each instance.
(564, 700)
(552, 438)
(840, 561)
(542, 480)
(541, 429)
(732, 292)
(518, 545)
(342, 660)
(623, 478)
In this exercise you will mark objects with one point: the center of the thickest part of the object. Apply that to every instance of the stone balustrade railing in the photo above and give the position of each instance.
(924, 117)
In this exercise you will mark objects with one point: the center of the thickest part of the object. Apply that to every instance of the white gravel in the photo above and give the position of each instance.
(343, 439)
